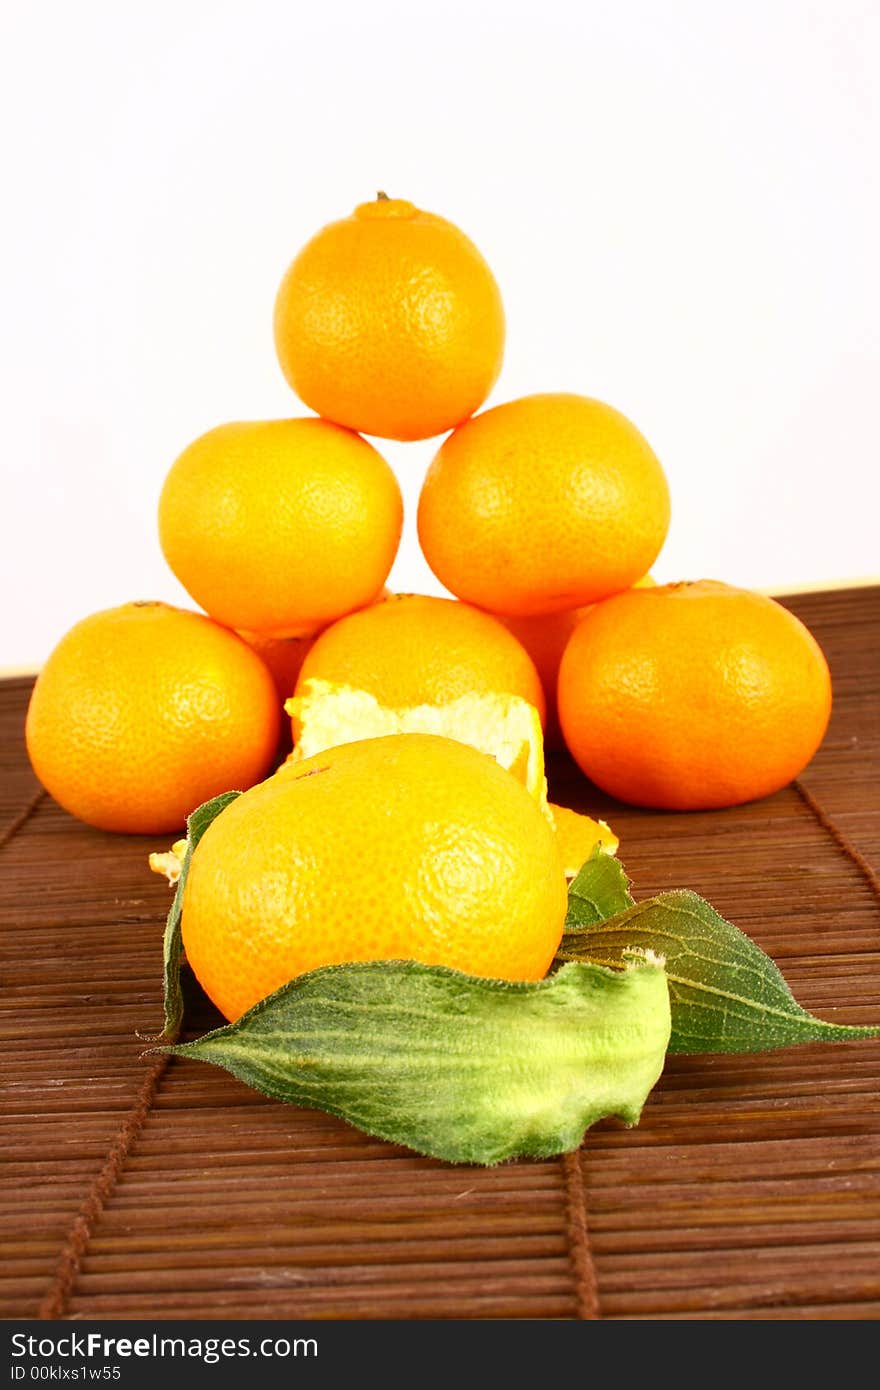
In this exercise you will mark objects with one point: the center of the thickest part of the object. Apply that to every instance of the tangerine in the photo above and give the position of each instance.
(280, 526)
(692, 696)
(543, 504)
(390, 322)
(411, 846)
(417, 649)
(144, 711)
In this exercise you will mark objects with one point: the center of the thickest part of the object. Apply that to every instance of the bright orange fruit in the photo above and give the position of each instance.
(415, 649)
(693, 695)
(144, 711)
(323, 715)
(280, 526)
(390, 322)
(543, 504)
(411, 847)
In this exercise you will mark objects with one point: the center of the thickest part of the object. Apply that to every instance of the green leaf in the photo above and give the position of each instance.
(172, 949)
(726, 995)
(464, 1069)
(600, 890)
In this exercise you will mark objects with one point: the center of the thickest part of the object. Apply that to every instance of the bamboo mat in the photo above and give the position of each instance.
(133, 1188)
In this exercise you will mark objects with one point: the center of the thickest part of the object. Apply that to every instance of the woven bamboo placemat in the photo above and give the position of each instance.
(136, 1188)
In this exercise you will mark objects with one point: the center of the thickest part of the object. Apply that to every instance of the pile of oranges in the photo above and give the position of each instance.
(542, 516)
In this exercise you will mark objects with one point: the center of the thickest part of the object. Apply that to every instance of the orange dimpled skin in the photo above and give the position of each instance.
(544, 638)
(543, 504)
(390, 322)
(280, 526)
(409, 847)
(144, 711)
(283, 657)
(415, 649)
(692, 696)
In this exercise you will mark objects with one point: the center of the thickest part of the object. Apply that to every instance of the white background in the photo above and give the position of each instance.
(679, 200)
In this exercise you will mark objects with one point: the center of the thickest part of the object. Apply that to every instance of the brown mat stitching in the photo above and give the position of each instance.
(839, 838)
(578, 1236)
(23, 816)
(57, 1297)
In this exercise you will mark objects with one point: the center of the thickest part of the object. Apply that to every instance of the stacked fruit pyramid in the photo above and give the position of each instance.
(428, 716)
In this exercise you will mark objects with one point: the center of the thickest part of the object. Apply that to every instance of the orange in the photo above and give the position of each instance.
(390, 322)
(144, 711)
(415, 649)
(411, 847)
(544, 638)
(323, 715)
(280, 526)
(691, 696)
(505, 726)
(543, 504)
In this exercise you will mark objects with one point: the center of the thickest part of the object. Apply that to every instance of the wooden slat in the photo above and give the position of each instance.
(749, 1190)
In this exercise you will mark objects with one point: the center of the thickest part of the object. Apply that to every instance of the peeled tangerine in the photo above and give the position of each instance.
(412, 846)
(508, 728)
(325, 714)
